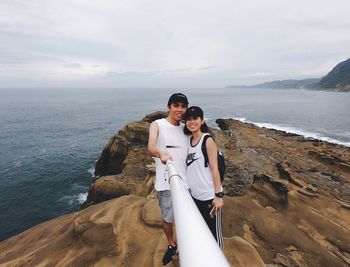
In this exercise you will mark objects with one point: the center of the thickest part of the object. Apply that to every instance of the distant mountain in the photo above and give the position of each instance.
(282, 84)
(337, 79)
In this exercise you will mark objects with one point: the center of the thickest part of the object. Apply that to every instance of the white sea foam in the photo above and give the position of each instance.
(293, 130)
(82, 197)
(239, 119)
(67, 199)
(92, 171)
(74, 199)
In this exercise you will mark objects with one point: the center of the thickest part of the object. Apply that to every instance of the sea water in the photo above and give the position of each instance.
(50, 138)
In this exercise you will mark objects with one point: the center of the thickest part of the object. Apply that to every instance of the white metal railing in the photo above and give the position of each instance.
(197, 245)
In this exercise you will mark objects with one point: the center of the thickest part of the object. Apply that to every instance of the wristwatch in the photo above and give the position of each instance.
(219, 194)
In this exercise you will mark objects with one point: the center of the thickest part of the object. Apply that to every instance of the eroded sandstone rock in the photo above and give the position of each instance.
(243, 253)
(284, 205)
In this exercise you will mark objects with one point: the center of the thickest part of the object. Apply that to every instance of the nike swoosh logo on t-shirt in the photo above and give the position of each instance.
(189, 163)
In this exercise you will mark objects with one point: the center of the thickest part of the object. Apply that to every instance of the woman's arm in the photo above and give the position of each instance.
(212, 152)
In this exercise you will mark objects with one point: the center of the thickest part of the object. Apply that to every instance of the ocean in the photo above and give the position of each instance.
(50, 138)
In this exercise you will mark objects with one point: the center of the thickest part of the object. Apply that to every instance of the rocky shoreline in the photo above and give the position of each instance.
(287, 204)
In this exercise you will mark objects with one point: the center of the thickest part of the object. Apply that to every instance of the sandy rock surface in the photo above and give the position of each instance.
(287, 204)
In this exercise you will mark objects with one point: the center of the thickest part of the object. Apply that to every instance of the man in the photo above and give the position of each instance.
(168, 141)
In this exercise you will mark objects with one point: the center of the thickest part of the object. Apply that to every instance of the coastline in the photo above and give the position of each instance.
(307, 136)
(274, 183)
(292, 130)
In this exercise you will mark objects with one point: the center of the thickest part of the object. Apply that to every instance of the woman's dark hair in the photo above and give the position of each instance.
(204, 129)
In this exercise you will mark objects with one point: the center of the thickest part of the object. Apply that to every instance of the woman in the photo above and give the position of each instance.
(204, 182)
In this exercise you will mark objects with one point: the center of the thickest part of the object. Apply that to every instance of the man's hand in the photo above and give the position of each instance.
(164, 156)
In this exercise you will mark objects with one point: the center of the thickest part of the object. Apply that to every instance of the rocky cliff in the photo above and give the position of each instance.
(287, 204)
(338, 77)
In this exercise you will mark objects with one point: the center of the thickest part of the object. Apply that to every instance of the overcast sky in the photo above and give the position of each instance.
(161, 43)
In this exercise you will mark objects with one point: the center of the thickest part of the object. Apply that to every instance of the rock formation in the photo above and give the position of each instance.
(287, 204)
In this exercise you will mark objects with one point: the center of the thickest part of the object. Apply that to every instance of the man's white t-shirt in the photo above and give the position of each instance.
(172, 139)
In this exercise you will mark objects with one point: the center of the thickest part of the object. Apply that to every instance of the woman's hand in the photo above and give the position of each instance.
(218, 203)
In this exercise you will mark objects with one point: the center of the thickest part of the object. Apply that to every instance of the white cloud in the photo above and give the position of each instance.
(260, 74)
(170, 43)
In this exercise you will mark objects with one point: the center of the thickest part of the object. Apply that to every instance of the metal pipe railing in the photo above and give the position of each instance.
(197, 246)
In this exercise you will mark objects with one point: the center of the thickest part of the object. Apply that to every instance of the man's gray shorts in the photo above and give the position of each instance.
(166, 205)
